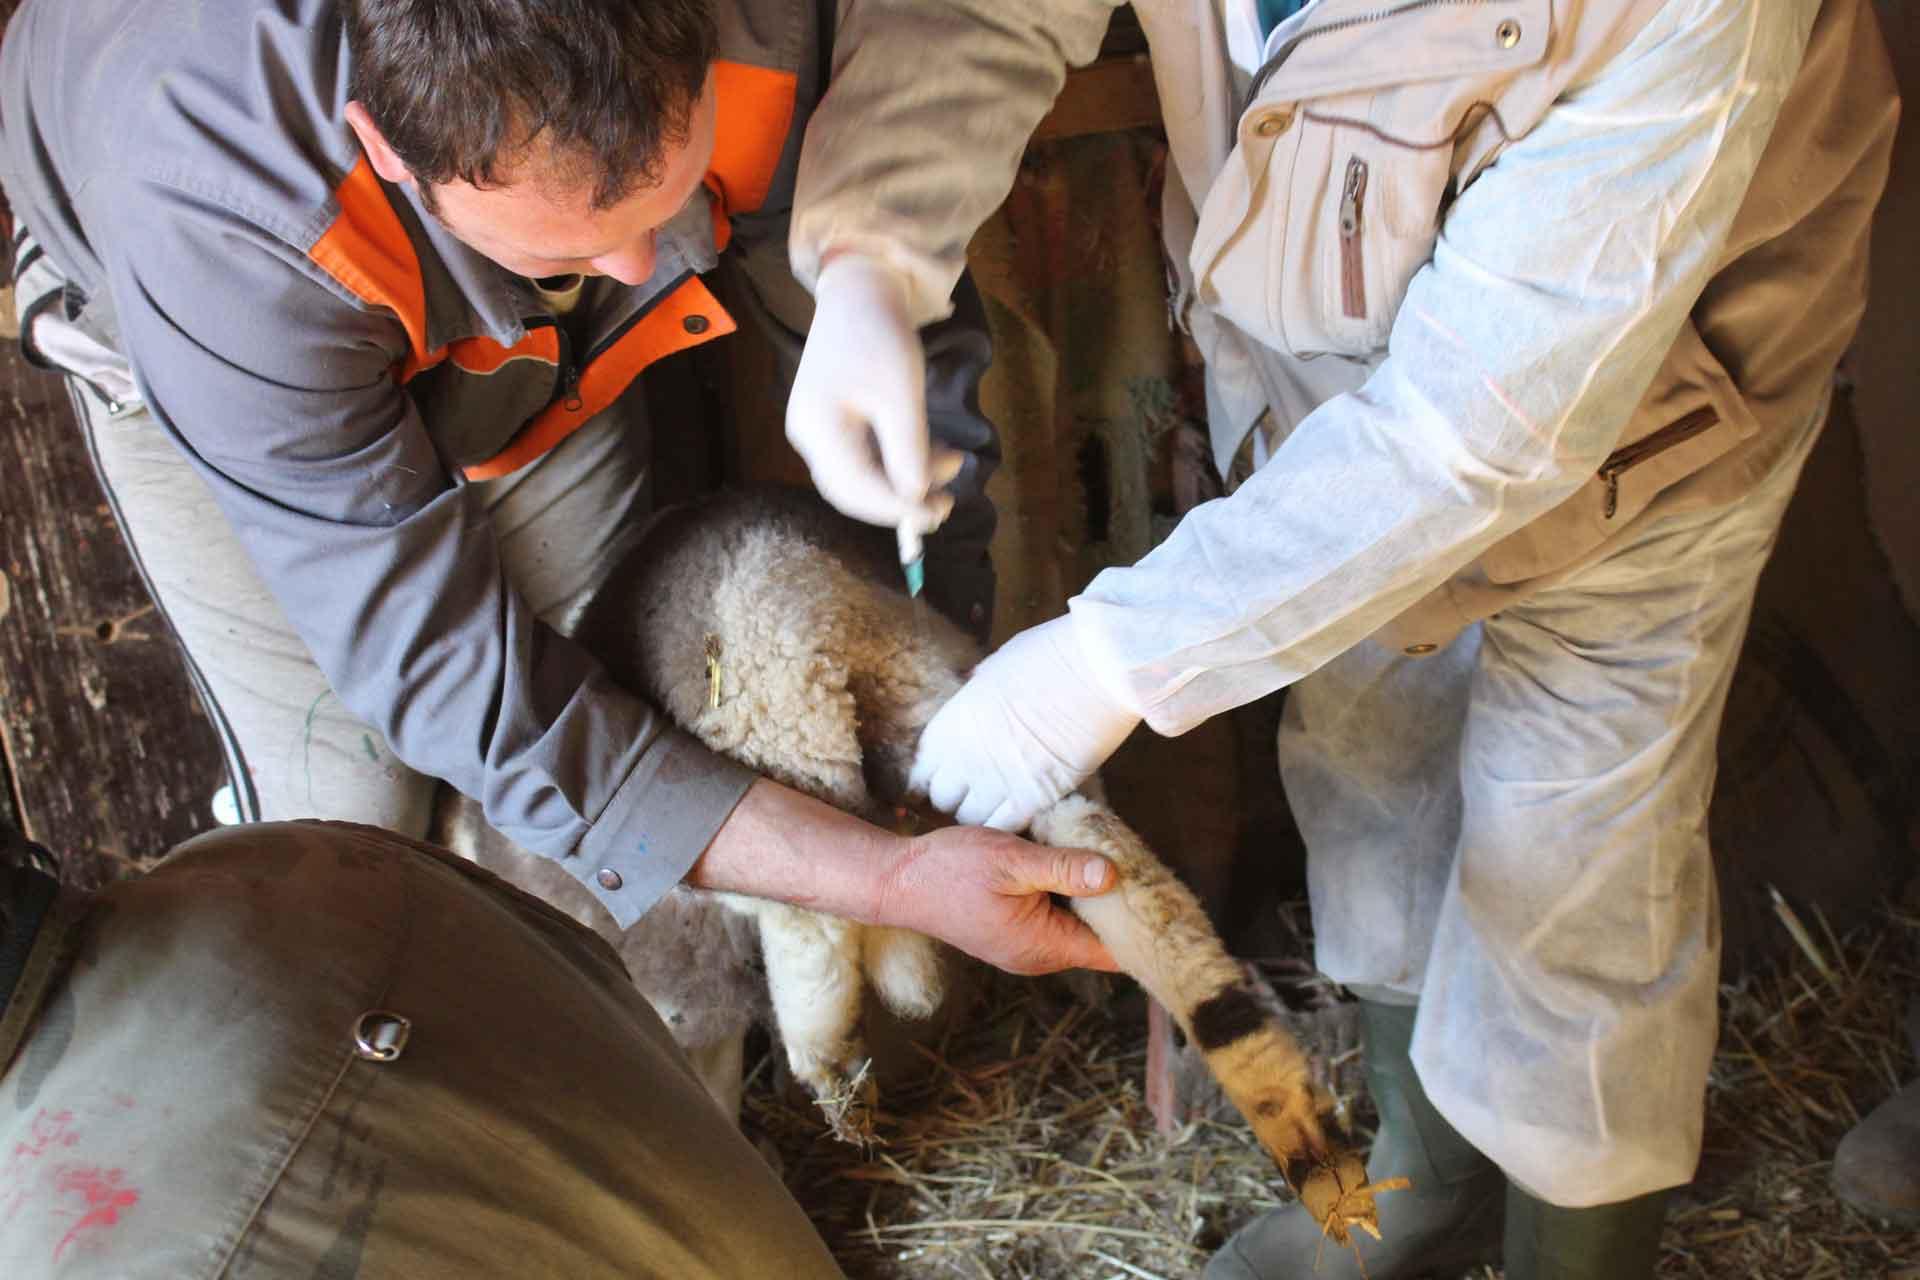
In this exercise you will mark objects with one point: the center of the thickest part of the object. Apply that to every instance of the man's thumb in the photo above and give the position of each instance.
(1082, 875)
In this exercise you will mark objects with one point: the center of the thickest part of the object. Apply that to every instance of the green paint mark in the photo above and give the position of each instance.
(306, 745)
(366, 740)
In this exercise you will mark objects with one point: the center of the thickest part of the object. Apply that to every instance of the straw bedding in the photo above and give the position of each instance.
(1024, 1149)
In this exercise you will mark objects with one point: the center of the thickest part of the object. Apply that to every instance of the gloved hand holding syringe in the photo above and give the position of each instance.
(858, 411)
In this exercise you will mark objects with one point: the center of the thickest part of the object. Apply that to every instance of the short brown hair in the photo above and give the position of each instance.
(463, 89)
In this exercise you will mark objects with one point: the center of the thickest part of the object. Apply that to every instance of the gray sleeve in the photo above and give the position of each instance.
(281, 393)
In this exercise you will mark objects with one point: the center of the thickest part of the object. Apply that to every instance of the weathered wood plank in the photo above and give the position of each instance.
(1110, 95)
(112, 759)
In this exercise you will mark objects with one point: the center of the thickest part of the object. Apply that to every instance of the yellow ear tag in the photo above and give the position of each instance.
(713, 672)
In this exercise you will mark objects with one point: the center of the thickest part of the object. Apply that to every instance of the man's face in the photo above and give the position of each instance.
(539, 228)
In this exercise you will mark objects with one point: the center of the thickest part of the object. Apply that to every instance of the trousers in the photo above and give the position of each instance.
(1512, 832)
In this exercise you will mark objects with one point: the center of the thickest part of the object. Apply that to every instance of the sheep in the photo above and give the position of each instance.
(766, 626)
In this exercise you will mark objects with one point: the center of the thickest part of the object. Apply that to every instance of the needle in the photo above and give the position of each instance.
(912, 559)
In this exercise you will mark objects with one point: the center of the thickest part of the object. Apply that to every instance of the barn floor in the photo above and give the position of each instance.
(1025, 1151)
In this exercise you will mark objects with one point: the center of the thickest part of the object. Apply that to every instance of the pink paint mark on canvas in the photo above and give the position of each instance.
(47, 1132)
(124, 1101)
(104, 1197)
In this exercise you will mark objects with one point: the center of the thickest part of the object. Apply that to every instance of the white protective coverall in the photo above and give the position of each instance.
(1533, 311)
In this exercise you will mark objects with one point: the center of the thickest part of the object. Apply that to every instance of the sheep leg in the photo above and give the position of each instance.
(905, 970)
(1160, 935)
(814, 983)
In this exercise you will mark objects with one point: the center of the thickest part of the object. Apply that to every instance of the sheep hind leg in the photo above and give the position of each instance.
(1160, 935)
(905, 970)
(814, 983)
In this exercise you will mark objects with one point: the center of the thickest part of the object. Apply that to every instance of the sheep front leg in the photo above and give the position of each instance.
(1161, 937)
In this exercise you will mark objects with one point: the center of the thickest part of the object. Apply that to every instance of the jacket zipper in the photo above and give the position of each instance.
(1630, 456)
(611, 337)
(568, 371)
(1357, 20)
(569, 389)
(1353, 270)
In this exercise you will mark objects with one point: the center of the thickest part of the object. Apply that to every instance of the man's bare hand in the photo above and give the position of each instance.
(983, 891)
(990, 894)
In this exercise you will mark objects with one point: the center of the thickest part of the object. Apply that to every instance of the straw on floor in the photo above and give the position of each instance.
(1025, 1150)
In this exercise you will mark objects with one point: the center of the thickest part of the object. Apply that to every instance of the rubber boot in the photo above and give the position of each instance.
(1877, 1166)
(1619, 1241)
(1448, 1220)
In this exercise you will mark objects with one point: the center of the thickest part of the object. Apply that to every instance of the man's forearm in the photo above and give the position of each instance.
(986, 892)
(783, 844)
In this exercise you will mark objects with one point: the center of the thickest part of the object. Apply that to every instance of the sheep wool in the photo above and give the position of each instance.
(767, 627)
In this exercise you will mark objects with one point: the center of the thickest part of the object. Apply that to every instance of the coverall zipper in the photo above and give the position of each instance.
(1353, 271)
(1630, 456)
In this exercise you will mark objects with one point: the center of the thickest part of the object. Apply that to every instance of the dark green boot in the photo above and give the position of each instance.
(1448, 1220)
(1619, 1241)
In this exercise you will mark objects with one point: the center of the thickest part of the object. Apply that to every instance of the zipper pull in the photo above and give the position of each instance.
(1350, 198)
(1353, 265)
(1611, 474)
(570, 388)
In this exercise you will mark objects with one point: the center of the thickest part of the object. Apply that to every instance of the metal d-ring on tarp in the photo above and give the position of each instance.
(381, 1035)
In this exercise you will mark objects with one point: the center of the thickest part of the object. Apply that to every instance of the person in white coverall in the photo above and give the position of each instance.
(1525, 314)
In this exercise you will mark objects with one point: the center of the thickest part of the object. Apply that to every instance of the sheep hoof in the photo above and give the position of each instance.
(847, 1102)
(1286, 1122)
(1336, 1192)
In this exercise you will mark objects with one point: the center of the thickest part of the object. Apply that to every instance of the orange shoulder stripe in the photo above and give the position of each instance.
(367, 251)
(754, 109)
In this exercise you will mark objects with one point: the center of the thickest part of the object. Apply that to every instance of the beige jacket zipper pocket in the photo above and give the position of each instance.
(1630, 456)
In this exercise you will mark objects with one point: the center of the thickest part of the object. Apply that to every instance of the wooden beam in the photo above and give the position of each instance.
(112, 760)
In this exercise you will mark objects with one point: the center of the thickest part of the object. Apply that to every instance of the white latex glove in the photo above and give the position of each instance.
(1028, 727)
(858, 411)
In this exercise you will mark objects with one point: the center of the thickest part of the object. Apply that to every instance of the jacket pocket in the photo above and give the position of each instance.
(1378, 219)
(61, 330)
(1313, 253)
(1691, 416)
(1242, 226)
(1361, 127)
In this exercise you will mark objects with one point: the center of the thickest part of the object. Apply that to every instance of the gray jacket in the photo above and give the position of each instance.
(337, 367)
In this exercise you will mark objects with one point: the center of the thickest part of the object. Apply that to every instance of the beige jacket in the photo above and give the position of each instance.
(1498, 279)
